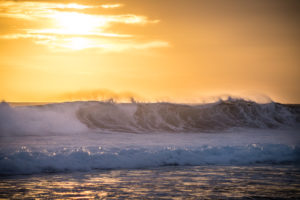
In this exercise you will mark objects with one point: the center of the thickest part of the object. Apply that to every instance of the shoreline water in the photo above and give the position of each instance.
(169, 182)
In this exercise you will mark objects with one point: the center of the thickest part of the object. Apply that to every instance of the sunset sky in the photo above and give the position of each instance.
(177, 50)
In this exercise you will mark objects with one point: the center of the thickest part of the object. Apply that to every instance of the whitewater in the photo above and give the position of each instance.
(84, 136)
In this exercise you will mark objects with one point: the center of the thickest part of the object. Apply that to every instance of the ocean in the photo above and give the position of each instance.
(229, 149)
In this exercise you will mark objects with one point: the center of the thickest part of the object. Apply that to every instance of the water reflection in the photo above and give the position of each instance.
(202, 182)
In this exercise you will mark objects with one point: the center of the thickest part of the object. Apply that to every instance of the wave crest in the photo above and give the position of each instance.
(170, 117)
(147, 117)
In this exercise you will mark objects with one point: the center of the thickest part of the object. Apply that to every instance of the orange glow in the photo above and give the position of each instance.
(161, 50)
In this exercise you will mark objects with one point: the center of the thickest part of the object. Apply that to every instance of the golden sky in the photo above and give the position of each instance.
(177, 50)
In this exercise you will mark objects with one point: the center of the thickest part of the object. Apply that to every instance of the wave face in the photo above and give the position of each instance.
(186, 118)
(147, 117)
(29, 161)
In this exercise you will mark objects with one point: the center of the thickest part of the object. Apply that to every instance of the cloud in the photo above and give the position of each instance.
(111, 5)
(62, 28)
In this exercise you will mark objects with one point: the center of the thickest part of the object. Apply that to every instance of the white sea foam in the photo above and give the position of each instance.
(27, 161)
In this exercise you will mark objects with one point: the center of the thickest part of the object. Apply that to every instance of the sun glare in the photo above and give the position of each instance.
(66, 27)
(77, 23)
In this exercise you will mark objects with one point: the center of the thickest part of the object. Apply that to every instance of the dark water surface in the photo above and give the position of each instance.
(197, 182)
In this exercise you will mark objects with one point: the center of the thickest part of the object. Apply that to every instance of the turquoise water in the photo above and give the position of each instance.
(170, 182)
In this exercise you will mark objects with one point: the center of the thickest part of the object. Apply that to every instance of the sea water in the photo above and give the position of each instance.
(171, 182)
(229, 149)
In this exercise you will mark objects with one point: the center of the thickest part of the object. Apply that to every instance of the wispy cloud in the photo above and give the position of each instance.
(111, 5)
(72, 29)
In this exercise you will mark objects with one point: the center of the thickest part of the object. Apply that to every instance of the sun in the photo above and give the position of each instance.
(77, 27)
(73, 23)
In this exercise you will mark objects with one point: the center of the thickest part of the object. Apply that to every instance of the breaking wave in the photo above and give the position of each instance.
(77, 136)
(29, 161)
(147, 117)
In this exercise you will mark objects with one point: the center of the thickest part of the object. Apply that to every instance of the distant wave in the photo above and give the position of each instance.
(147, 117)
(27, 161)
